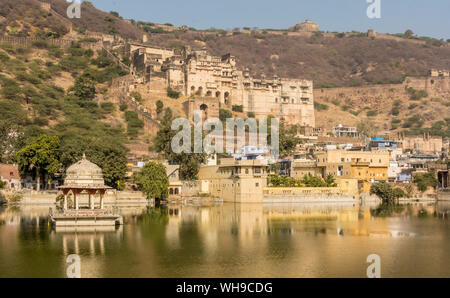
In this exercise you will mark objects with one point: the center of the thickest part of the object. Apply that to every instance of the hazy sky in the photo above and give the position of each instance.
(424, 17)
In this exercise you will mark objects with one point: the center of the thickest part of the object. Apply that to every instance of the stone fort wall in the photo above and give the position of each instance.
(358, 97)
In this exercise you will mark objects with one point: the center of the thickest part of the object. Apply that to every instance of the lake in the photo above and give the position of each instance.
(228, 240)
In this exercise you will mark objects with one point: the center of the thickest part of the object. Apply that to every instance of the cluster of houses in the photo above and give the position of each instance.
(243, 177)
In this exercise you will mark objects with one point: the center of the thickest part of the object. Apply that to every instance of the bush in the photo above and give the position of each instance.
(395, 111)
(237, 108)
(2, 184)
(320, 106)
(423, 181)
(40, 44)
(10, 92)
(102, 61)
(134, 123)
(41, 121)
(173, 93)
(71, 63)
(416, 94)
(372, 113)
(24, 76)
(56, 52)
(3, 57)
(123, 107)
(159, 106)
(224, 114)
(137, 96)
(107, 107)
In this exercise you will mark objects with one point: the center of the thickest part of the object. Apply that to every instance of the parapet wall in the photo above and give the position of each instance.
(63, 43)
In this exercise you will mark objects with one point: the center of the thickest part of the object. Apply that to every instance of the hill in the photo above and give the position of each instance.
(64, 92)
(32, 18)
(330, 59)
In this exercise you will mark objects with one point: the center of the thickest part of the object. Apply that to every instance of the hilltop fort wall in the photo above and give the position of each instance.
(435, 86)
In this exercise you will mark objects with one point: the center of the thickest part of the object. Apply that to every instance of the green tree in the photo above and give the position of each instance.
(330, 181)
(85, 87)
(386, 193)
(40, 157)
(189, 162)
(173, 93)
(152, 180)
(106, 152)
(288, 139)
(159, 107)
(224, 114)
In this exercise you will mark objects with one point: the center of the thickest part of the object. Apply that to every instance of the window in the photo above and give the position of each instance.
(257, 184)
(246, 171)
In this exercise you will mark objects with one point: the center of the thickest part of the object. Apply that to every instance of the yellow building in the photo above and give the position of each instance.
(365, 166)
(233, 180)
(300, 168)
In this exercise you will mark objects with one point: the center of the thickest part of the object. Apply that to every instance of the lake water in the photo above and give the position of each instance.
(227, 240)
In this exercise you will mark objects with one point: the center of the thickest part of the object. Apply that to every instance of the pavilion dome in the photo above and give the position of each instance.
(85, 174)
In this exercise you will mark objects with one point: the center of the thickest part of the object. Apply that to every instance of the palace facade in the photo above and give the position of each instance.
(213, 81)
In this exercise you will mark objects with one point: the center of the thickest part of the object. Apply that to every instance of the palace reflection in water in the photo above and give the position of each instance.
(227, 240)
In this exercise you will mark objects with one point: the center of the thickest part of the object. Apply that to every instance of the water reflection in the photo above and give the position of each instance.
(227, 240)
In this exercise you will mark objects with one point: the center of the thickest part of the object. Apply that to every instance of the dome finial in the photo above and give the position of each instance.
(84, 156)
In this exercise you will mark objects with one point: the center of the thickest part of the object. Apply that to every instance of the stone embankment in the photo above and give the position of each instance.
(112, 198)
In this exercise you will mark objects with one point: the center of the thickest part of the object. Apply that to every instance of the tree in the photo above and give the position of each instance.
(40, 157)
(330, 181)
(409, 33)
(189, 162)
(366, 128)
(152, 180)
(224, 114)
(106, 152)
(288, 139)
(173, 93)
(159, 107)
(386, 193)
(85, 87)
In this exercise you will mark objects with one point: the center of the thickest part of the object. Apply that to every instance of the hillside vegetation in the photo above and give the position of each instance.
(61, 93)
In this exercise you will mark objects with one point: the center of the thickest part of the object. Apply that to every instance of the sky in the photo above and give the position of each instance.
(423, 17)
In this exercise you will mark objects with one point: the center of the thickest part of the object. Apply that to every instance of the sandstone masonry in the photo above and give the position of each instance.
(215, 81)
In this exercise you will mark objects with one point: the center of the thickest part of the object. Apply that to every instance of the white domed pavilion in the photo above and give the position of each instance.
(84, 176)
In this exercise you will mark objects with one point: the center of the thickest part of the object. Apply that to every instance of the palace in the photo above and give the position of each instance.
(213, 81)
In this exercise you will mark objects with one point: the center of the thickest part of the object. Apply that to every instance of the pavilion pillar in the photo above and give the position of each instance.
(65, 202)
(91, 201)
(101, 201)
(75, 200)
